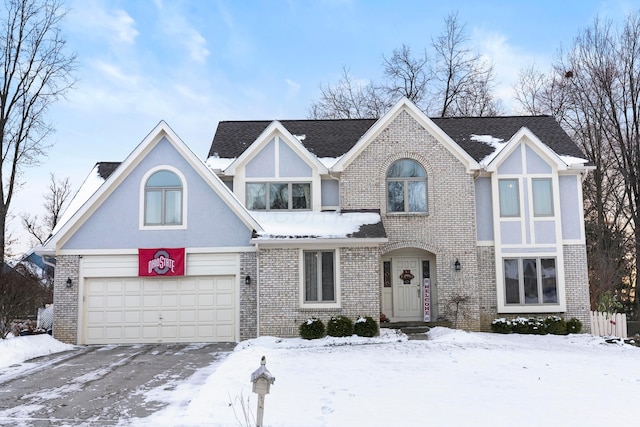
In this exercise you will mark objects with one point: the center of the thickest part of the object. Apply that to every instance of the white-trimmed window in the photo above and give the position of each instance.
(542, 197)
(530, 281)
(509, 196)
(163, 193)
(278, 195)
(319, 283)
(406, 187)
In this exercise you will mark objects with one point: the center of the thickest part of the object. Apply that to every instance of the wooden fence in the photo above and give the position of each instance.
(609, 324)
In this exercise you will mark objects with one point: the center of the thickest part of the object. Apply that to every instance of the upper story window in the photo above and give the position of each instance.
(163, 199)
(406, 187)
(278, 195)
(542, 197)
(509, 197)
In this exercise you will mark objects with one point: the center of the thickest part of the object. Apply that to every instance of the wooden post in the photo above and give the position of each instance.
(262, 380)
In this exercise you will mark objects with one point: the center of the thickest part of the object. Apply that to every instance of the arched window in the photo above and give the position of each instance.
(406, 187)
(163, 199)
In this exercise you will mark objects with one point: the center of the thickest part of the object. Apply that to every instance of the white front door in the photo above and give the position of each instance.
(407, 292)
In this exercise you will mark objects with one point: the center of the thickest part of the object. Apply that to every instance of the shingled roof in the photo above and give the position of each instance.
(323, 138)
(333, 138)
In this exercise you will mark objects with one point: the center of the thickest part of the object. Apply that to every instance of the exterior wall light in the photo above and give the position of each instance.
(247, 280)
(69, 282)
(456, 265)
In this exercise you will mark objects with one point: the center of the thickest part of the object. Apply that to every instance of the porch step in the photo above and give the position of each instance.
(414, 330)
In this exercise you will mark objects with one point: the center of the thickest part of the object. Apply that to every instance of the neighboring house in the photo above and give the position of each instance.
(404, 215)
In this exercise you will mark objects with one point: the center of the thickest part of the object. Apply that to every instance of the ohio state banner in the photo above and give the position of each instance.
(161, 262)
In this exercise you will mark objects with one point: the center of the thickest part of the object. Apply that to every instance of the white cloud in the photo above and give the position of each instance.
(115, 26)
(180, 30)
(507, 61)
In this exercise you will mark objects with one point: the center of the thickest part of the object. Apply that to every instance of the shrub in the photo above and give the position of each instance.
(555, 325)
(574, 326)
(528, 325)
(550, 325)
(501, 326)
(311, 329)
(365, 327)
(340, 326)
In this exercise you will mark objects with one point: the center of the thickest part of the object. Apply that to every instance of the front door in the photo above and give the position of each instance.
(407, 292)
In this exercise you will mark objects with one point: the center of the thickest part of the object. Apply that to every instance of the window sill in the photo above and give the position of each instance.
(307, 309)
(320, 307)
(550, 308)
(407, 213)
(163, 227)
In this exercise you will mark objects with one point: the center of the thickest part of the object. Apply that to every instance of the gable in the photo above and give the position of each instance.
(277, 150)
(525, 153)
(162, 147)
(115, 223)
(277, 159)
(406, 106)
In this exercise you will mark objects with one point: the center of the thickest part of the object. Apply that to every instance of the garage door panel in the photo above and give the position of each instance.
(139, 310)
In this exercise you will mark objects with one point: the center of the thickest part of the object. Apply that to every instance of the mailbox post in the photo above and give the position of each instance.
(262, 380)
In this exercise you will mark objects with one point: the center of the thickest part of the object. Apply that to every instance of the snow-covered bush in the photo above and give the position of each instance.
(555, 325)
(339, 326)
(530, 325)
(574, 326)
(501, 326)
(365, 327)
(312, 328)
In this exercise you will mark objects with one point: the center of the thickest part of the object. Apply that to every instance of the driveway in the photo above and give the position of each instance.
(101, 385)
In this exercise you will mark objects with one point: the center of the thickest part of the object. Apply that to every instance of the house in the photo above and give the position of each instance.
(464, 219)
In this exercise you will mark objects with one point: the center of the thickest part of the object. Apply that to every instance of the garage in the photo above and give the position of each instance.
(121, 310)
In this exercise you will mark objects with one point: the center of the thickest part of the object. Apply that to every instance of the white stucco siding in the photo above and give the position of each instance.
(571, 209)
(115, 223)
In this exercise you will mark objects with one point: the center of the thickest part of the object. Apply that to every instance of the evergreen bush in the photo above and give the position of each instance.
(312, 329)
(501, 326)
(339, 326)
(555, 325)
(365, 327)
(522, 325)
(574, 326)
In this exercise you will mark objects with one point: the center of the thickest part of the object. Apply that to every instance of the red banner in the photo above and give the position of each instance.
(161, 262)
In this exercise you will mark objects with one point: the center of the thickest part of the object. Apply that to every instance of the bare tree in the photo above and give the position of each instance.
(461, 73)
(349, 99)
(451, 81)
(36, 71)
(21, 293)
(408, 76)
(54, 201)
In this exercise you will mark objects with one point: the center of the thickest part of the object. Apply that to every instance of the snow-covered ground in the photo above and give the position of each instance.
(453, 378)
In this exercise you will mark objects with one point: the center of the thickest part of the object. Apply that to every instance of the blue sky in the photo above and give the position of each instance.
(193, 63)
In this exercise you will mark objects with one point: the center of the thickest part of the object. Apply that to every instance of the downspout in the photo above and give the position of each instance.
(257, 290)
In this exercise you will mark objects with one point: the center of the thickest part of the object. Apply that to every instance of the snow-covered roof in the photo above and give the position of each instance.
(90, 185)
(318, 225)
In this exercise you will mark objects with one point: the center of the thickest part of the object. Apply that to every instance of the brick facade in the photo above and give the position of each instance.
(248, 296)
(65, 299)
(448, 228)
(280, 311)
(577, 285)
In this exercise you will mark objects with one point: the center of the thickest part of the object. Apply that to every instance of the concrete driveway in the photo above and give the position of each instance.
(101, 385)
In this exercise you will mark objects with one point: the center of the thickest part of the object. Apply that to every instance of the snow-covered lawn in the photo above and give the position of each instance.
(454, 378)
(17, 350)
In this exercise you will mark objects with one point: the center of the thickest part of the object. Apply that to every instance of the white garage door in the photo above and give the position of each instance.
(150, 310)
